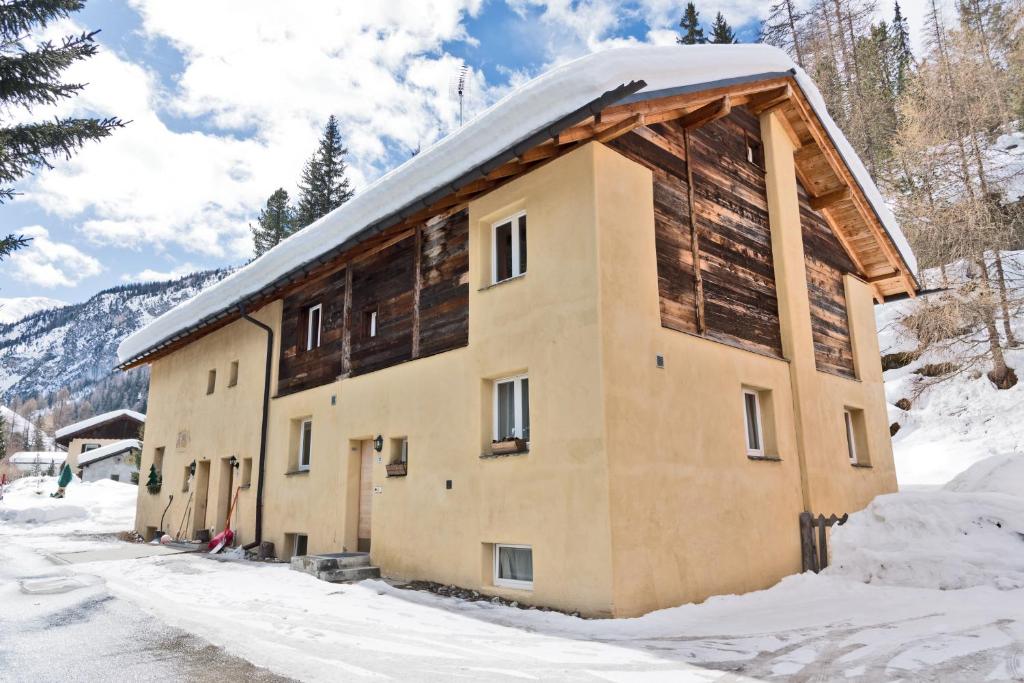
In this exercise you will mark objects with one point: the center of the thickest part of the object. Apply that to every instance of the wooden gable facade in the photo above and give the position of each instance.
(120, 427)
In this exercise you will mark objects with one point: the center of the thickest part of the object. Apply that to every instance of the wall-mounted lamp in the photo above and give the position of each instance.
(378, 443)
(233, 461)
(192, 468)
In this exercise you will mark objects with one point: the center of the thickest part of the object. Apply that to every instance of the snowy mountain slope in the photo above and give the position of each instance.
(75, 346)
(956, 422)
(14, 309)
(16, 424)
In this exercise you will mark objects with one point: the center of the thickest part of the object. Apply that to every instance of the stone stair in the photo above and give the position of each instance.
(337, 567)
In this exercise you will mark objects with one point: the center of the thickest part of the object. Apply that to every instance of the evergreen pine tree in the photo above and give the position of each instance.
(899, 45)
(30, 75)
(693, 34)
(721, 32)
(324, 186)
(154, 481)
(3, 436)
(275, 222)
(37, 436)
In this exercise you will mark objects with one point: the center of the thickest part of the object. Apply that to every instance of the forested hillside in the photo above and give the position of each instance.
(57, 365)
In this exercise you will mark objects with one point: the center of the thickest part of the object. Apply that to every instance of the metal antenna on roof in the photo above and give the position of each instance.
(457, 88)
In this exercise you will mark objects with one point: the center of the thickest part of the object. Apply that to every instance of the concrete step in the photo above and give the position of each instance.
(349, 574)
(315, 564)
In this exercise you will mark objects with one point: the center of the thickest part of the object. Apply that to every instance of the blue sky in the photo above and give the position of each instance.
(227, 100)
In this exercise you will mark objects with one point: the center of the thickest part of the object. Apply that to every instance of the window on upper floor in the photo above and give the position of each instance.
(89, 447)
(856, 437)
(512, 408)
(158, 459)
(246, 471)
(508, 248)
(233, 374)
(313, 325)
(211, 381)
(370, 323)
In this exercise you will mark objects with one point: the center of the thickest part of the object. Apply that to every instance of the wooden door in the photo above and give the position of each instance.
(199, 499)
(365, 495)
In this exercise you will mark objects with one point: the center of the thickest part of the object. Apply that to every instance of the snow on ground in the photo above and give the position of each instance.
(958, 421)
(923, 586)
(93, 508)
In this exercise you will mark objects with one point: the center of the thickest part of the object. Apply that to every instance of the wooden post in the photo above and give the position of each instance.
(808, 558)
(346, 335)
(417, 286)
(823, 525)
(698, 279)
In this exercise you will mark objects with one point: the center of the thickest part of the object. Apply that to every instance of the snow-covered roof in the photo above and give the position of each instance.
(97, 420)
(44, 457)
(89, 457)
(526, 111)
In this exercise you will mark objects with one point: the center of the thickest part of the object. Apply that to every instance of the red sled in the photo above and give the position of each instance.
(225, 537)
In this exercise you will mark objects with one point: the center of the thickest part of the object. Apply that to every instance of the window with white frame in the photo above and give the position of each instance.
(508, 248)
(851, 436)
(512, 408)
(513, 566)
(305, 443)
(313, 315)
(752, 417)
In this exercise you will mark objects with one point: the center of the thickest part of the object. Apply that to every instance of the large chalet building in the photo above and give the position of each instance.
(597, 349)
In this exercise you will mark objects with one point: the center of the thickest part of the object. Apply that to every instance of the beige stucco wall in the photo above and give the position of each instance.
(637, 492)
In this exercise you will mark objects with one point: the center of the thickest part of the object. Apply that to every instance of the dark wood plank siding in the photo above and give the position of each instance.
(731, 206)
(122, 427)
(444, 277)
(299, 368)
(731, 211)
(827, 262)
(385, 282)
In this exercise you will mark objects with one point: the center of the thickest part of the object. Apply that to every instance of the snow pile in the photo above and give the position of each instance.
(934, 539)
(527, 110)
(998, 474)
(93, 507)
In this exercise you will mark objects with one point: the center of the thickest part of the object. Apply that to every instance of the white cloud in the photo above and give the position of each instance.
(152, 275)
(50, 264)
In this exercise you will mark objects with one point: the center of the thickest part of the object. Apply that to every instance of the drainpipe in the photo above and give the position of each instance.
(263, 426)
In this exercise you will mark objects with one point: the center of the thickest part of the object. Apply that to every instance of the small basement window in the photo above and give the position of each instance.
(233, 374)
(305, 443)
(512, 408)
(115, 477)
(752, 417)
(211, 381)
(313, 316)
(508, 248)
(513, 566)
(301, 544)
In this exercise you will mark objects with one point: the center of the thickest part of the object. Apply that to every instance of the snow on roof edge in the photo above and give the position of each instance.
(521, 113)
(89, 457)
(95, 420)
(29, 457)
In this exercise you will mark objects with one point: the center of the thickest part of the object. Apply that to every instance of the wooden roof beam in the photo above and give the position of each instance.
(712, 111)
(620, 128)
(761, 102)
(823, 201)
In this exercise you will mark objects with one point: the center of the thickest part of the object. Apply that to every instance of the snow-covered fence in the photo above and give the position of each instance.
(814, 547)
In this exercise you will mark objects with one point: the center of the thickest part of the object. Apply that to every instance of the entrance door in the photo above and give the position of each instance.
(365, 494)
(202, 492)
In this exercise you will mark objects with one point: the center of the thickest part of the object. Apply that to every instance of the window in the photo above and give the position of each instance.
(400, 451)
(233, 374)
(89, 447)
(184, 479)
(755, 153)
(313, 315)
(513, 566)
(211, 381)
(752, 415)
(508, 248)
(158, 459)
(301, 544)
(115, 477)
(856, 437)
(370, 324)
(246, 471)
(305, 443)
(512, 408)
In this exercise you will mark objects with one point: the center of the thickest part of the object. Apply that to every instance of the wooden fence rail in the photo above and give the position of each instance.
(814, 547)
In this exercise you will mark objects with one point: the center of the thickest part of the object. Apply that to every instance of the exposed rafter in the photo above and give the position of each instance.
(823, 201)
